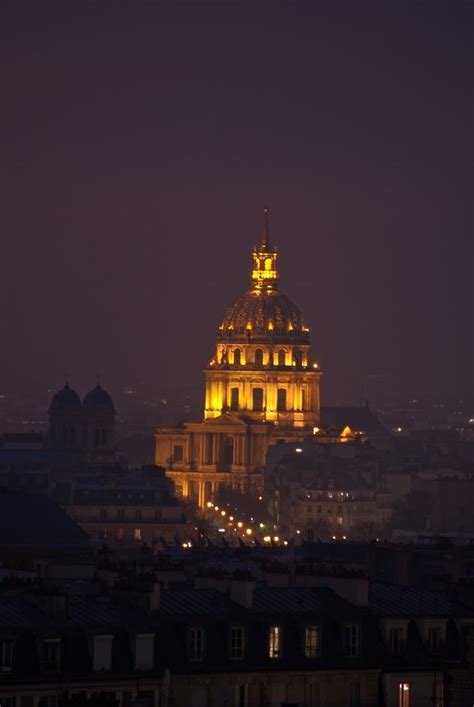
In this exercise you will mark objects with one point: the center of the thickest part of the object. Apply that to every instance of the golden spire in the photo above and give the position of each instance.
(265, 237)
(264, 273)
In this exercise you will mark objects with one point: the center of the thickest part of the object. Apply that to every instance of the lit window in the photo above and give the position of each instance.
(196, 643)
(237, 642)
(311, 642)
(6, 655)
(274, 643)
(403, 694)
(137, 534)
(351, 640)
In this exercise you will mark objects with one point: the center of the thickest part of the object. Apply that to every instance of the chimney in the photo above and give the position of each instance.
(241, 591)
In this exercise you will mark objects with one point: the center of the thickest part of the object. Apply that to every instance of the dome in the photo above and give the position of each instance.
(65, 399)
(263, 315)
(99, 401)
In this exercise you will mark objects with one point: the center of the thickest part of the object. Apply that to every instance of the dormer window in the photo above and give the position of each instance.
(434, 639)
(274, 642)
(51, 654)
(395, 640)
(236, 642)
(311, 642)
(351, 640)
(102, 657)
(144, 643)
(6, 655)
(196, 643)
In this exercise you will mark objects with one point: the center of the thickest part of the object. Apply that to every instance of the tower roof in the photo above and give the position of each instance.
(98, 400)
(65, 399)
(264, 313)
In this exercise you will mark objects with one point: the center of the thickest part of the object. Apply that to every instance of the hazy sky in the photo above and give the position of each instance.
(140, 141)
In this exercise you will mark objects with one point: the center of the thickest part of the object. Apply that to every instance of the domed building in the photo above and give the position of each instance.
(262, 387)
(86, 426)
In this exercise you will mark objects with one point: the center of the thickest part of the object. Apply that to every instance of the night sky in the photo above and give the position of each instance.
(141, 140)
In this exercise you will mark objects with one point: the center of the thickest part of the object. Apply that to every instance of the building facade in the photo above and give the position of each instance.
(262, 387)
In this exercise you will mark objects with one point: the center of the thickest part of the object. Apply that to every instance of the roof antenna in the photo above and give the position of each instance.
(98, 380)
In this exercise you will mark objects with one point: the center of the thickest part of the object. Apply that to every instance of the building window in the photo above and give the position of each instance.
(303, 400)
(209, 446)
(137, 535)
(196, 643)
(50, 654)
(234, 398)
(8, 701)
(120, 535)
(339, 520)
(120, 514)
(237, 357)
(257, 395)
(281, 357)
(434, 639)
(281, 400)
(403, 694)
(229, 450)
(138, 514)
(237, 642)
(178, 453)
(103, 514)
(311, 642)
(274, 642)
(258, 357)
(45, 701)
(355, 694)
(351, 640)
(241, 695)
(395, 641)
(6, 655)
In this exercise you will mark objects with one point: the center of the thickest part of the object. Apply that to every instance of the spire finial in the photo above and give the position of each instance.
(265, 235)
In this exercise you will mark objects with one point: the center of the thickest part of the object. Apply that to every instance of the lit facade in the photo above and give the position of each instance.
(262, 386)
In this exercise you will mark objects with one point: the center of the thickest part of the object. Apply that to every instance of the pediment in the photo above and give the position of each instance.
(226, 419)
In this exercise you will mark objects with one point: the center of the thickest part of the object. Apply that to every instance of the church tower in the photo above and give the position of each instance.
(262, 387)
(262, 367)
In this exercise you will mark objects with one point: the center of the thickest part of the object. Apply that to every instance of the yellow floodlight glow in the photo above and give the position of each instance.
(249, 531)
(276, 539)
(222, 513)
(240, 524)
(267, 539)
(210, 504)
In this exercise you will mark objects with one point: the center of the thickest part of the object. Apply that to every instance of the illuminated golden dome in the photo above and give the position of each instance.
(264, 313)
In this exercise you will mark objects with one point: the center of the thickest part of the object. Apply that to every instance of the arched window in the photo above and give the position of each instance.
(259, 357)
(281, 357)
(268, 263)
(281, 400)
(234, 398)
(237, 357)
(257, 399)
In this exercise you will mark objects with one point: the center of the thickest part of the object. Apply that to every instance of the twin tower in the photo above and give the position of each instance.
(262, 387)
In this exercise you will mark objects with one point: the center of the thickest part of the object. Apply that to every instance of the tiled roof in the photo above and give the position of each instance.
(37, 523)
(202, 602)
(395, 600)
(295, 600)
